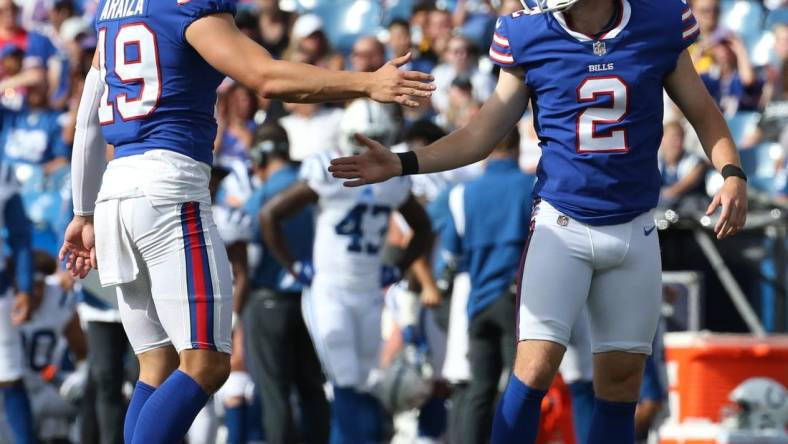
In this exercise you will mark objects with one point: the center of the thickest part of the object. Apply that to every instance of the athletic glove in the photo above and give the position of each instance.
(304, 272)
(389, 275)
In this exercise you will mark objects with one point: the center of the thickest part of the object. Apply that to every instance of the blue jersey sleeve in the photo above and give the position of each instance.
(19, 239)
(192, 10)
(686, 27)
(501, 52)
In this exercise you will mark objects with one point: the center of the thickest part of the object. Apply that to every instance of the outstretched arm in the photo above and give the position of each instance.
(686, 89)
(465, 146)
(221, 44)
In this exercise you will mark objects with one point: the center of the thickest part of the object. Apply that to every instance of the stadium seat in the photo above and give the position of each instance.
(347, 20)
(742, 124)
(762, 51)
(398, 9)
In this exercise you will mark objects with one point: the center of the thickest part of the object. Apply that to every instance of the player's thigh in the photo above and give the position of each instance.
(624, 303)
(190, 276)
(330, 324)
(556, 278)
(139, 316)
(11, 353)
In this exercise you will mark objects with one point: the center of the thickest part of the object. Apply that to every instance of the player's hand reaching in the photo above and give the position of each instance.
(732, 197)
(377, 164)
(390, 84)
(79, 247)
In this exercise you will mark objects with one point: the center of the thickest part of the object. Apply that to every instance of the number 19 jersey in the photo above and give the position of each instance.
(160, 92)
(350, 227)
(598, 103)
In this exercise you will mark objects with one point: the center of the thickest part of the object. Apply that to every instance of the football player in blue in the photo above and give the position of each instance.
(594, 72)
(151, 94)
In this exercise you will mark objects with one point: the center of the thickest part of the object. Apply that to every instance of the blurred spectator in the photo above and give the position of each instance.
(462, 105)
(731, 80)
(368, 54)
(460, 60)
(707, 14)
(274, 26)
(10, 31)
(236, 109)
(309, 44)
(776, 70)
(476, 20)
(400, 43)
(773, 125)
(307, 120)
(438, 32)
(33, 136)
(11, 57)
(46, 58)
(682, 172)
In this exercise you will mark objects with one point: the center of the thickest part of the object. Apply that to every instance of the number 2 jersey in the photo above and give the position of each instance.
(350, 227)
(598, 103)
(160, 92)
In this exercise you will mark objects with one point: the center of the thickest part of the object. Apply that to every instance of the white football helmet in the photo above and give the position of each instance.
(405, 384)
(543, 6)
(372, 119)
(761, 404)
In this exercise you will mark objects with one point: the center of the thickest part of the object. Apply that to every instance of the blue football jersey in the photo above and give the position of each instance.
(160, 92)
(598, 103)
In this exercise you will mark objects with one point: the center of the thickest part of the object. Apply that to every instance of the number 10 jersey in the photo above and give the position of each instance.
(598, 103)
(160, 92)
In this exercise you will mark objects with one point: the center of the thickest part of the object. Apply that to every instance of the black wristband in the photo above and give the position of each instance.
(731, 170)
(409, 162)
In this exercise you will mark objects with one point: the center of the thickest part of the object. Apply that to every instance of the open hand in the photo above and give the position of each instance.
(389, 84)
(377, 164)
(733, 199)
(79, 247)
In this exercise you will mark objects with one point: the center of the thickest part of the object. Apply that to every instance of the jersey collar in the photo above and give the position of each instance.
(625, 12)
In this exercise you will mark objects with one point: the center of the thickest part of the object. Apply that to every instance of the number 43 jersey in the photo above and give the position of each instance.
(350, 227)
(160, 92)
(598, 103)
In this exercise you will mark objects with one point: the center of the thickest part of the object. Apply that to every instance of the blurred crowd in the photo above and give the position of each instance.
(46, 47)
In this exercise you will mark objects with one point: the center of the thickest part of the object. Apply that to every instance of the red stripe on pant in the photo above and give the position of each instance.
(198, 275)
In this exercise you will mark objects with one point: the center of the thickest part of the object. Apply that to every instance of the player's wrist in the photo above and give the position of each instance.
(731, 171)
(408, 163)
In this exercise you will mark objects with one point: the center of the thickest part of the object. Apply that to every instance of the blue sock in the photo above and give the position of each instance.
(254, 421)
(356, 418)
(235, 421)
(19, 414)
(582, 407)
(612, 423)
(141, 394)
(517, 417)
(170, 411)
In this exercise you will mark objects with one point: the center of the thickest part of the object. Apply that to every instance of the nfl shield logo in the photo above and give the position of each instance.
(600, 49)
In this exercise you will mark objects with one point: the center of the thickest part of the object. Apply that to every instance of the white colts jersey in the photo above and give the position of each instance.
(43, 334)
(351, 226)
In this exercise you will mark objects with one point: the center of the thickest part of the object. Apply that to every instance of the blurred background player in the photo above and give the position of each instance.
(280, 352)
(489, 236)
(15, 309)
(342, 300)
(56, 352)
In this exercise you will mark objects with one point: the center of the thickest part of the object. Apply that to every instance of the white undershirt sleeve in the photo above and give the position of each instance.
(89, 156)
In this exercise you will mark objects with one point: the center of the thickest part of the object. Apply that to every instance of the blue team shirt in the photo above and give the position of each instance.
(488, 229)
(299, 231)
(598, 103)
(18, 234)
(31, 136)
(161, 92)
